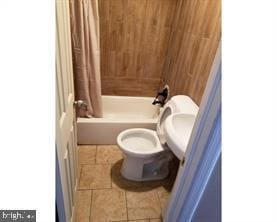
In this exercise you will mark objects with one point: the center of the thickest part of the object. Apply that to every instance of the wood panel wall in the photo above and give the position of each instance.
(148, 43)
(134, 38)
(196, 32)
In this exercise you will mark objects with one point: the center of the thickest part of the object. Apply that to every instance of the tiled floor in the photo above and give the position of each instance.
(104, 195)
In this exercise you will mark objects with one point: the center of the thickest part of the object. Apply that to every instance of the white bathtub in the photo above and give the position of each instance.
(120, 113)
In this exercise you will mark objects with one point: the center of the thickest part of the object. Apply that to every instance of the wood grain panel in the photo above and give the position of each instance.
(196, 32)
(134, 38)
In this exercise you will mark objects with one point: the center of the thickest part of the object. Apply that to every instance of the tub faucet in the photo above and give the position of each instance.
(80, 104)
(161, 96)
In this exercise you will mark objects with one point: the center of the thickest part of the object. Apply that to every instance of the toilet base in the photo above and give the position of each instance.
(138, 169)
(150, 178)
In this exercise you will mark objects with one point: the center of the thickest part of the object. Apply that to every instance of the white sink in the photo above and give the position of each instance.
(178, 128)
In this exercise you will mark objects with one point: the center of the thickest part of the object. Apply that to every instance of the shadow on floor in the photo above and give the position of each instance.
(119, 181)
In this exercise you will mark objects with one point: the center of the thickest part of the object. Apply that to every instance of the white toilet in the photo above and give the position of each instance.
(146, 154)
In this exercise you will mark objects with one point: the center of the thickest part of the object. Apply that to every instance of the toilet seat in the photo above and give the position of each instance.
(139, 142)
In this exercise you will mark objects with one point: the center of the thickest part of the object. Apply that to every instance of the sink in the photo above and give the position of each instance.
(178, 128)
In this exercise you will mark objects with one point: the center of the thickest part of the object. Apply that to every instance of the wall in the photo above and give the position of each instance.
(194, 39)
(147, 43)
(134, 38)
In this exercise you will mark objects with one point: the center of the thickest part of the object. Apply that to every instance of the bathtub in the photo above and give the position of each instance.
(119, 113)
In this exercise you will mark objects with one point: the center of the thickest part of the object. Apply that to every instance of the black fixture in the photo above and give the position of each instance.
(161, 96)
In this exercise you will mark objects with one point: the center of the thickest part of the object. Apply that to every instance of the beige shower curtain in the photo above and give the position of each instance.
(86, 55)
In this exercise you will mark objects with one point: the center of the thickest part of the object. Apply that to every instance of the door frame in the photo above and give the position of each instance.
(203, 151)
(60, 208)
(66, 146)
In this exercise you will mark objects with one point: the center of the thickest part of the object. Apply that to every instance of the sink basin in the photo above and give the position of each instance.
(178, 128)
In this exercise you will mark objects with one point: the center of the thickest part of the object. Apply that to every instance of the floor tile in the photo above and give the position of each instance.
(142, 204)
(155, 220)
(108, 154)
(138, 220)
(83, 203)
(108, 205)
(114, 198)
(95, 176)
(79, 168)
(86, 154)
(163, 194)
(119, 181)
(143, 220)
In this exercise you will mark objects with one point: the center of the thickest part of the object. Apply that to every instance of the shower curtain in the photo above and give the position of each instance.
(86, 55)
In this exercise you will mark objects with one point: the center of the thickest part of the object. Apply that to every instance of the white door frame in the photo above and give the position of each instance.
(66, 146)
(202, 153)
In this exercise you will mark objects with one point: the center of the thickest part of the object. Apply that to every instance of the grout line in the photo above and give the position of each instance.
(111, 176)
(96, 154)
(125, 193)
(97, 188)
(90, 208)
(85, 164)
(156, 192)
(81, 166)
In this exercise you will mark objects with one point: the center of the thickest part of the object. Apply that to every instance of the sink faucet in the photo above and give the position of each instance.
(161, 96)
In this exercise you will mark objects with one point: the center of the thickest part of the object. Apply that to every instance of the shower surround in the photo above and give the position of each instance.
(146, 44)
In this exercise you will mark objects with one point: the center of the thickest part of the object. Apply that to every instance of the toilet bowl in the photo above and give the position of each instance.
(146, 154)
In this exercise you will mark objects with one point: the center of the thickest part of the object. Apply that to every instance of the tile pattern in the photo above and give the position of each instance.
(83, 200)
(108, 205)
(142, 204)
(104, 195)
(146, 44)
(195, 36)
(134, 40)
(86, 154)
(95, 177)
(108, 154)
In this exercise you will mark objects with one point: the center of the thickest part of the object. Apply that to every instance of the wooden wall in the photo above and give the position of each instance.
(134, 38)
(147, 43)
(196, 32)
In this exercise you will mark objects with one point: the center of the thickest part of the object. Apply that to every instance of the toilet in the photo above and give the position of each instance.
(146, 154)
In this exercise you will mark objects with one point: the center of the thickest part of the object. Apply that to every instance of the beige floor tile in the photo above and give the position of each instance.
(119, 181)
(86, 154)
(79, 168)
(142, 204)
(95, 177)
(163, 194)
(155, 220)
(108, 154)
(143, 220)
(83, 203)
(138, 220)
(108, 205)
